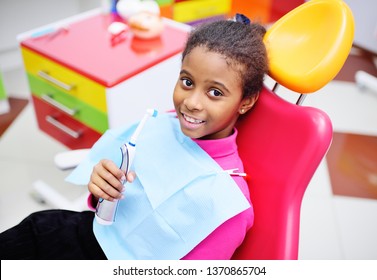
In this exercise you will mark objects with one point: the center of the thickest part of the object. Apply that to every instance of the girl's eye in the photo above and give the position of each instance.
(186, 82)
(215, 93)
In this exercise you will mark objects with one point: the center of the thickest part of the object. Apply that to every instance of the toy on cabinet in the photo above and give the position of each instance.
(142, 17)
(128, 8)
(146, 25)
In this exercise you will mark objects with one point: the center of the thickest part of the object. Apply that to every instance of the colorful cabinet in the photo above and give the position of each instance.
(83, 82)
(194, 12)
(264, 11)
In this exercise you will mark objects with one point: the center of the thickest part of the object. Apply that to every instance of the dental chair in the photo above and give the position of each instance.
(281, 143)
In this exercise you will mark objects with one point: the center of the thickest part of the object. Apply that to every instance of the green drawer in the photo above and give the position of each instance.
(76, 108)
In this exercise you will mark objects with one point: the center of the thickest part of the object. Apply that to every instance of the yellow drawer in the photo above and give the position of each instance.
(66, 80)
(188, 11)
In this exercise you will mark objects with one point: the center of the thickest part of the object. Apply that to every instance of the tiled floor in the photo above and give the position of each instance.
(332, 226)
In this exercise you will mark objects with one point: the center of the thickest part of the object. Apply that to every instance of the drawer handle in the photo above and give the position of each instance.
(62, 127)
(48, 98)
(47, 77)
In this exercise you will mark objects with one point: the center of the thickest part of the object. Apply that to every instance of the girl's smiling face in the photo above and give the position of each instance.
(208, 95)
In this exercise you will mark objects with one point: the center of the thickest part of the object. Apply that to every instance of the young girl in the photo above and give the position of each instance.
(223, 67)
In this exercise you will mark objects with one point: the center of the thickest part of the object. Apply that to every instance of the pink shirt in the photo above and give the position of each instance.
(223, 241)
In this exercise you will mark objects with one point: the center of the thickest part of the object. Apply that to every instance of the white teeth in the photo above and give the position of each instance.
(192, 120)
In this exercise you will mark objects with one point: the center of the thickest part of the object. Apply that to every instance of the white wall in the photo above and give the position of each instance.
(365, 14)
(18, 16)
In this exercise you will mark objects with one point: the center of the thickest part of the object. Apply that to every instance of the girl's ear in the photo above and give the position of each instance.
(247, 103)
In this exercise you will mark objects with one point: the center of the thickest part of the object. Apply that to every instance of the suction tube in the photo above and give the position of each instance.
(106, 210)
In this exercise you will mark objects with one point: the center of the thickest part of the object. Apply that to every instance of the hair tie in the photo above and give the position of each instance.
(242, 19)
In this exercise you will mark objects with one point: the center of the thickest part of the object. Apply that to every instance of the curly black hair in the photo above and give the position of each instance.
(242, 46)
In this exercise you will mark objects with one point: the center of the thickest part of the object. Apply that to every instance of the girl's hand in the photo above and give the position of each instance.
(106, 180)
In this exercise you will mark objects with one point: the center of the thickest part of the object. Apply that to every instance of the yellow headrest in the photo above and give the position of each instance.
(308, 46)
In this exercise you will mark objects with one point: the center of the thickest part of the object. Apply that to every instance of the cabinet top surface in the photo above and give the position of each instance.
(87, 47)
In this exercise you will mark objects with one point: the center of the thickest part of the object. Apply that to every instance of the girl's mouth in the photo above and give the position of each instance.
(191, 119)
(191, 123)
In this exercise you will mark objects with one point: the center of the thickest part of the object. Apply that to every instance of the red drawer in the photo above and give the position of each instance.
(62, 127)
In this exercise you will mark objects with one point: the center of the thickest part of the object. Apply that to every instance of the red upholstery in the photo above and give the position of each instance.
(281, 145)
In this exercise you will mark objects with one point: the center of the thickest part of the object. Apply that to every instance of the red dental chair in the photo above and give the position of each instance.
(280, 143)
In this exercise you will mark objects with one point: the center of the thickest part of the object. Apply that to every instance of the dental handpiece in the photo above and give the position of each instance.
(106, 210)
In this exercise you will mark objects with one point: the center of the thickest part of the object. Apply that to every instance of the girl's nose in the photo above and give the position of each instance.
(193, 101)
